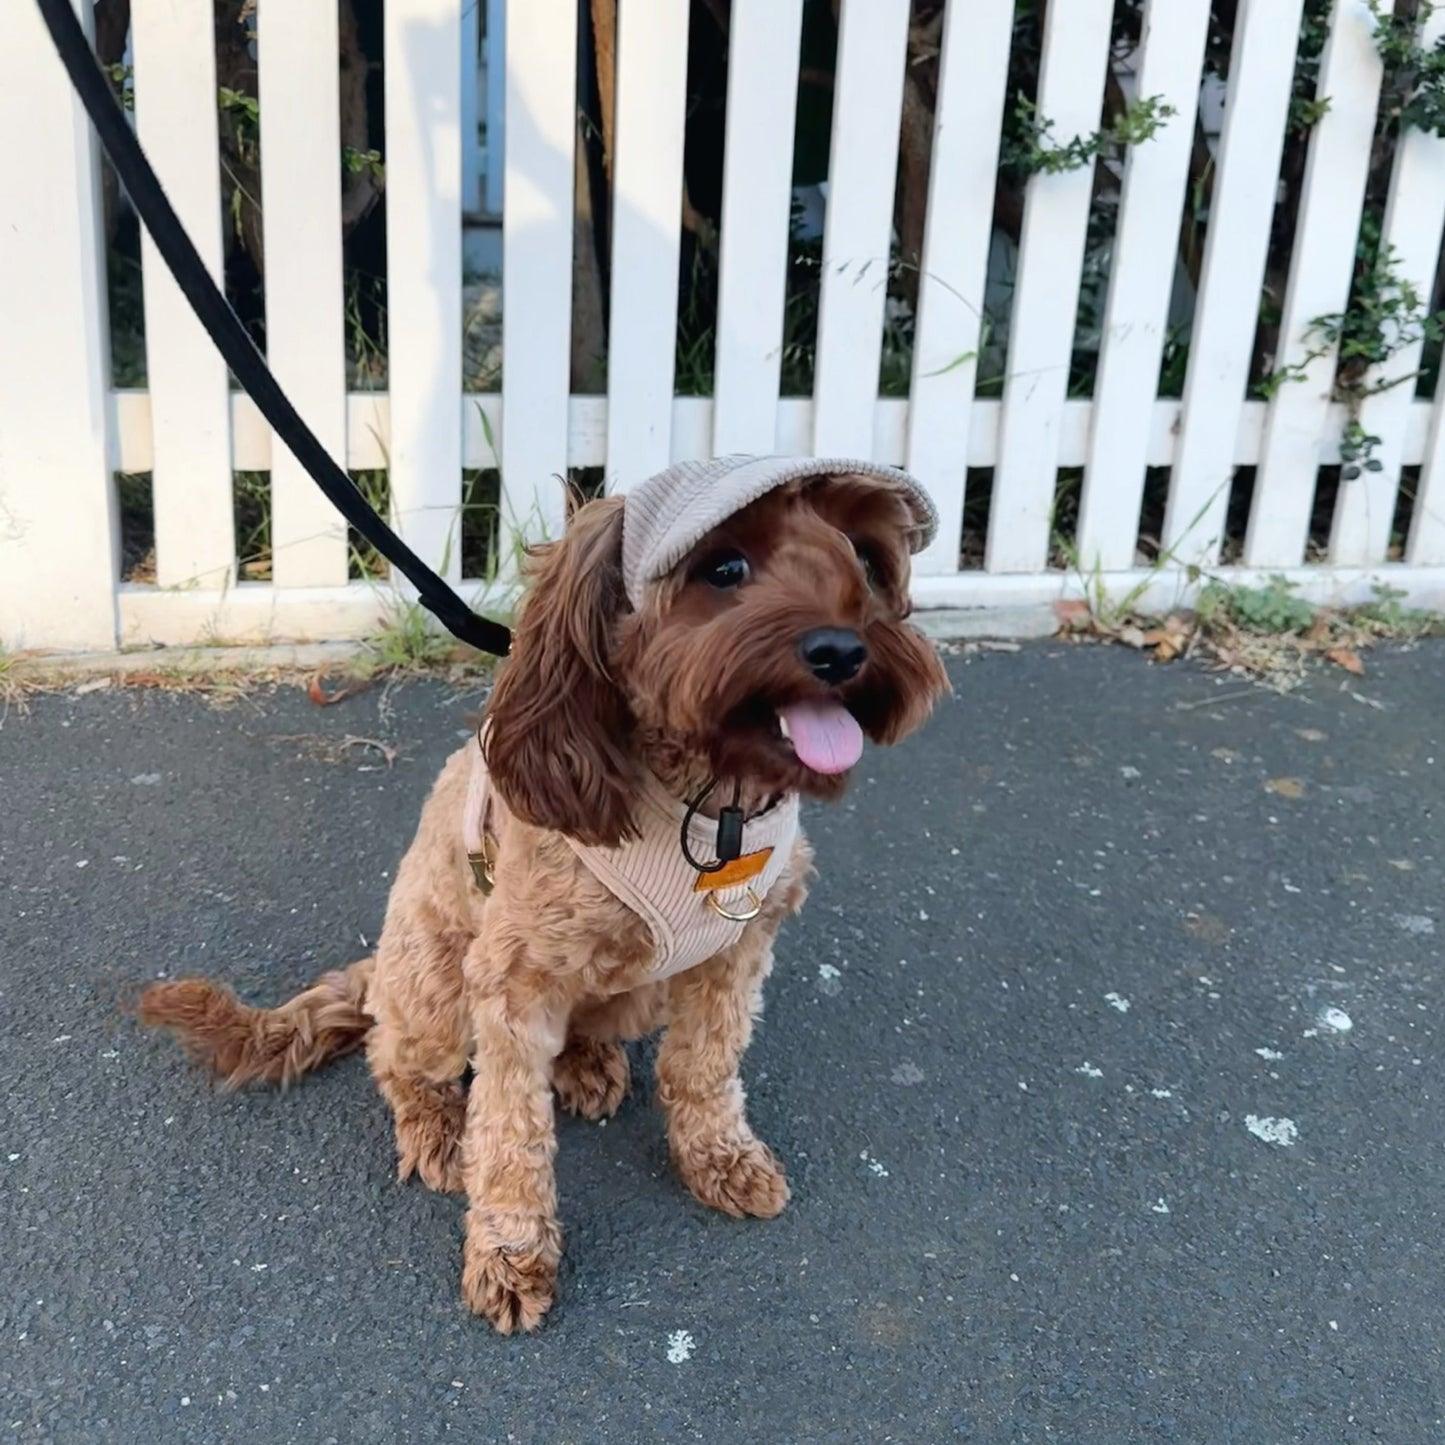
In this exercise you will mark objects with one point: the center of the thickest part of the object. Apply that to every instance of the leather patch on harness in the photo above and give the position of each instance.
(735, 874)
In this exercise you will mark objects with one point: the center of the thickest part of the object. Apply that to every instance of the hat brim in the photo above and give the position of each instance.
(692, 499)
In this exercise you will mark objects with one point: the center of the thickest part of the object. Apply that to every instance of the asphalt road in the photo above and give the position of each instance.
(1079, 1151)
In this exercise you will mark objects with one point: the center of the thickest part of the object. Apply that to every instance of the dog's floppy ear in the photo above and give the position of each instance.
(558, 727)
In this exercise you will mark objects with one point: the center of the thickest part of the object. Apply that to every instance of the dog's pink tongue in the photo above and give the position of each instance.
(826, 736)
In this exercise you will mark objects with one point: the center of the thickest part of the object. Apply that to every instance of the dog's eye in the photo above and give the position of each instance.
(868, 560)
(724, 570)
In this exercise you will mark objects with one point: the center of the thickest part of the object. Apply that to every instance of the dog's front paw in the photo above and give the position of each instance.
(509, 1268)
(738, 1175)
(591, 1078)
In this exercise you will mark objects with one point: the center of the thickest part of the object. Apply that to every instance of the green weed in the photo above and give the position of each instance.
(1271, 609)
(410, 640)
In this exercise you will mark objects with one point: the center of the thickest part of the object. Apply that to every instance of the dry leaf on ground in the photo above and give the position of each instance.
(1347, 658)
(322, 698)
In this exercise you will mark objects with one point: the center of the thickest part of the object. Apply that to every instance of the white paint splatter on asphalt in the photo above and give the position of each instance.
(679, 1347)
(1159, 1206)
(1117, 1001)
(1272, 1056)
(1337, 1020)
(1416, 923)
(1089, 1071)
(1283, 1132)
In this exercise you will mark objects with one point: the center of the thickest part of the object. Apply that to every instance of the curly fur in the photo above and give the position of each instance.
(535, 987)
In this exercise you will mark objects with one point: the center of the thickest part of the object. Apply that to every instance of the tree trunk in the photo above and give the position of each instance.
(112, 25)
(240, 149)
(360, 190)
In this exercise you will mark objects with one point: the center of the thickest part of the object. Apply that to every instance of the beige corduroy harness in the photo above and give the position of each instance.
(690, 915)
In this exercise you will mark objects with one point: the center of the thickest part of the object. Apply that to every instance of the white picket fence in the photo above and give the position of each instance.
(64, 432)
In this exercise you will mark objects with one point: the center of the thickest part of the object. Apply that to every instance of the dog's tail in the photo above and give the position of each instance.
(243, 1045)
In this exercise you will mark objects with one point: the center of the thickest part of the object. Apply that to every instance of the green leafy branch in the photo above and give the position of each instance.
(1414, 83)
(1386, 314)
(1030, 146)
(1306, 107)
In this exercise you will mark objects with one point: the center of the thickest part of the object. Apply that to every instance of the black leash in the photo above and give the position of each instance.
(224, 328)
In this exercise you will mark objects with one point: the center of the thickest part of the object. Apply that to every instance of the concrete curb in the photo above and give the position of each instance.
(188, 661)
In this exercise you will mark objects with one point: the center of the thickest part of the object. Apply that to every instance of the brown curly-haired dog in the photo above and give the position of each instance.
(534, 984)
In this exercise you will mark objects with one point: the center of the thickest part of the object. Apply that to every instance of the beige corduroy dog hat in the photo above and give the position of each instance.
(666, 517)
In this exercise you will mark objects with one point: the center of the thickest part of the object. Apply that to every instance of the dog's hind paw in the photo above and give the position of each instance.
(739, 1176)
(591, 1078)
(429, 1139)
(509, 1269)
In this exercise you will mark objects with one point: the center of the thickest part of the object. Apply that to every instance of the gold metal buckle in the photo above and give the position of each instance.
(755, 907)
(484, 865)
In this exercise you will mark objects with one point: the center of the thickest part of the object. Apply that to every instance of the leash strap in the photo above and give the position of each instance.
(225, 329)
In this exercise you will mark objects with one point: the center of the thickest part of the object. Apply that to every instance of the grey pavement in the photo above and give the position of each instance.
(1105, 1062)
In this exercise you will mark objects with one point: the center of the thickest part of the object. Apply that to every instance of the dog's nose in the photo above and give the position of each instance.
(834, 654)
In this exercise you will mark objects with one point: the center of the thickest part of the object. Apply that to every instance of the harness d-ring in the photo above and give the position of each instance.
(755, 907)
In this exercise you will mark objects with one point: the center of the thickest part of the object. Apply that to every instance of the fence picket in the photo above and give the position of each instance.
(301, 212)
(175, 109)
(646, 236)
(1051, 253)
(862, 167)
(58, 552)
(1319, 285)
(756, 208)
(973, 71)
(1141, 277)
(424, 274)
(537, 218)
(1414, 217)
(1236, 245)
